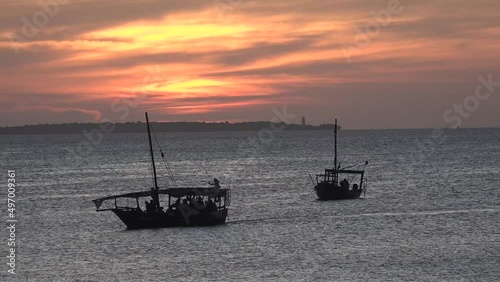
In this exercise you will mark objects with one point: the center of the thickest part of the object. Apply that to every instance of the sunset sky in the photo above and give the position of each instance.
(236, 60)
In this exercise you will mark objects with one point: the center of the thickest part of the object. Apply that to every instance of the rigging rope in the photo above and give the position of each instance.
(169, 171)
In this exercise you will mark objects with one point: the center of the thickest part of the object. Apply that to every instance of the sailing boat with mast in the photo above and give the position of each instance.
(328, 186)
(188, 206)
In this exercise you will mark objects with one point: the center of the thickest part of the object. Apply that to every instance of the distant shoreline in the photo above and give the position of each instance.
(140, 127)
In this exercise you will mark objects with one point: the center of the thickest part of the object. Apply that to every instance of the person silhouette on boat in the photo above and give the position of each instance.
(199, 200)
(211, 206)
(150, 206)
(200, 205)
(216, 183)
(344, 184)
(176, 204)
(191, 202)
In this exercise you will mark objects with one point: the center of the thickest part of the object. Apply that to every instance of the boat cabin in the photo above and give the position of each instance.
(333, 176)
(201, 199)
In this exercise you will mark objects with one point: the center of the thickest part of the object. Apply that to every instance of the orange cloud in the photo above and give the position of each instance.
(258, 55)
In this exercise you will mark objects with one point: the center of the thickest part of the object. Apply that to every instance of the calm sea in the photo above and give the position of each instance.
(431, 212)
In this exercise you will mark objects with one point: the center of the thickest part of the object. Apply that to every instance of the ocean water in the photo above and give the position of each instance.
(431, 212)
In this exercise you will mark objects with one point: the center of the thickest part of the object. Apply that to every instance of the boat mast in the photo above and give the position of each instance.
(154, 192)
(335, 161)
(151, 151)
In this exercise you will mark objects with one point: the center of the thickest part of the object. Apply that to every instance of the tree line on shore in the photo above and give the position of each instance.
(140, 127)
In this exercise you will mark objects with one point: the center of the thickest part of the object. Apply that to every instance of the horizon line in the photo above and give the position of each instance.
(239, 122)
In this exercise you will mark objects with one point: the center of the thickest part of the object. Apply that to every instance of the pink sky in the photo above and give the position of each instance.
(371, 64)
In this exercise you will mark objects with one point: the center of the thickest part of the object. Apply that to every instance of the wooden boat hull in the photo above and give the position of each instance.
(137, 219)
(329, 192)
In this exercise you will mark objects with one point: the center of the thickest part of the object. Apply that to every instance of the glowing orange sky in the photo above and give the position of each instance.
(237, 60)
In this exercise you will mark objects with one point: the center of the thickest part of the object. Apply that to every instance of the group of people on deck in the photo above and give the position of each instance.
(190, 201)
(344, 185)
(197, 204)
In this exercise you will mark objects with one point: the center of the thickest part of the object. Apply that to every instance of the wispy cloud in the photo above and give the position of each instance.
(262, 54)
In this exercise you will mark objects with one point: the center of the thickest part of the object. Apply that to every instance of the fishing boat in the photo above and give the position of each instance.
(328, 185)
(188, 206)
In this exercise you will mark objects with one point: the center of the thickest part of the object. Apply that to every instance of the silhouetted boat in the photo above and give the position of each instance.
(328, 186)
(190, 206)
